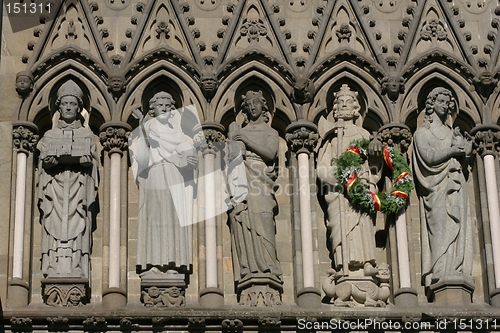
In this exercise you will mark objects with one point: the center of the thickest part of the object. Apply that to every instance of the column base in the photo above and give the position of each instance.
(309, 297)
(211, 298)
(65, 291)
(19, 291)
(451, 291)
(113, 298)
(261, 289)
(495, 298)
(406, 297)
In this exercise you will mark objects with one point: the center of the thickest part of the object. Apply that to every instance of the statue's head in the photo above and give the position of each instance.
(209, 84)
(153, 292)
(116, 83)
(254, 105)
(393, 85)
(439, 101)
(174, 291)
(24, 83)
(346, 105)
(69, 101)
(75, 297)
(161, 104)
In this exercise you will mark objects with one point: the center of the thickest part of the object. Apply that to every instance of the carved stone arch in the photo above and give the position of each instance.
(41, 106)
(251, 74)
(157, 79)
(374, 112)
(427, 79)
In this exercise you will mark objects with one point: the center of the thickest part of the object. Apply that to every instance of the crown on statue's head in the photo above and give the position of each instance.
(252, 94)
(70, 88)
(345, 90)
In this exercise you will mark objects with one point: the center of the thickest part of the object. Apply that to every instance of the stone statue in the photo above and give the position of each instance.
(446, 223)
(163, 160)
(351, 232)
(252, 222)
(67, 189)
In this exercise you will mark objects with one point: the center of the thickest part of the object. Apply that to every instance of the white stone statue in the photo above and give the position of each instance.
(67, 189)
(442, 188)
(163, 162)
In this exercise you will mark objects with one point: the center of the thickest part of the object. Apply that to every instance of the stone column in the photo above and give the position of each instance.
(302, 137)
(398, 136)
(486, 140)
(24, 139)
(114, 139)
(209, 142)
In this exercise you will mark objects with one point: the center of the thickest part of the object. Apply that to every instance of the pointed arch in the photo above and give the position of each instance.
(418, 85)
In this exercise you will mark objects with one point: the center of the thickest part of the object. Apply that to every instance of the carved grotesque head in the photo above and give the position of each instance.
(24, 83)
(75, 297)
(209, 84)
(346, 105)
(303, 90)
(393, 85)
(254, 105)
(116, 84)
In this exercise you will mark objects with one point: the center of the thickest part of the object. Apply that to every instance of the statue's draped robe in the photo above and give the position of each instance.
(166, 194)
(360, 230)
(79, 184)
(252, 223)
(446, 225)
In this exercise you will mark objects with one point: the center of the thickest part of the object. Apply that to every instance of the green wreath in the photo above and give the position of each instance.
(349, 163)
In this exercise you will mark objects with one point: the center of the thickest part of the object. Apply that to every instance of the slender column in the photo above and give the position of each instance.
(210, 141)
(302, 139)
(24, 141)
(486, 140)
(399, 136)
(114, 138)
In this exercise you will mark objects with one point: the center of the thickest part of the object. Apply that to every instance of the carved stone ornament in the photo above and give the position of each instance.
(368, 291)
(114, 137)
(24, 83)
(302, 136)
(207, 4)
(303, 91)
(486, 140)
(211, 139)
(65, 292)
(253, 29)
(117, 4)
(116, 85)
(344, 33)
(395, 135)
(209, 84)
(24, 137)
(260, 290)
(485, 83)
(433, 29)
(160, 289)
(393, 85)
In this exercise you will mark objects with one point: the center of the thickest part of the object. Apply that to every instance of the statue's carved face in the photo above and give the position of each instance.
(23, 84)
(69, 108)
(75, 297)
(253, 108)
(153, 292)
(346, 107)
(441, 106)
(174, 292)
(209, 84)
(116, 84)
(393, 85)
(162, 107)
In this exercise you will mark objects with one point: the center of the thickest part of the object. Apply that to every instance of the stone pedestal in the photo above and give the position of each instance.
(406, 297)
(260, 290)
(309, 298)
(211, 298)
(65, 291)
(451, 291)
(160, 289)
(114, 298)
(18, 293)
(353, 291)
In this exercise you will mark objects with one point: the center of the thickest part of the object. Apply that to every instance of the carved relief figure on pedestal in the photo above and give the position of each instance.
(67, 189)
(251, 221)
(351, 231)
(163, 160)
(438, 158)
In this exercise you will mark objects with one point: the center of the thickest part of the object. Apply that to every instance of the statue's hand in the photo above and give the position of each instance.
(50, 161)
(192, 160)
(375, 147)
(233, 130)
(86, 160)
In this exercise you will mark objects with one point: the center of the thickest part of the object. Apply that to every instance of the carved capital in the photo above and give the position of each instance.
(25, 137)
(114, 137)
(486, 139)
(395, 135)
(210, 138)
(302, 136)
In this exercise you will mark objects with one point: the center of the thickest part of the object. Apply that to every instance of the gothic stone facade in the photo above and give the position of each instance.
(208, 54)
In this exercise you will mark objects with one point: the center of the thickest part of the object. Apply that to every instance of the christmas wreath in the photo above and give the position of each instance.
(348, 165)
